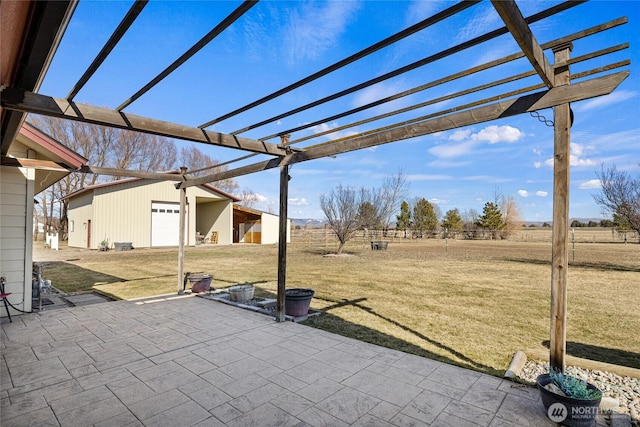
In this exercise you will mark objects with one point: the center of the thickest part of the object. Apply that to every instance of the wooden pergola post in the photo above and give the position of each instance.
(183, 209)
(282, 237)
(560, 237)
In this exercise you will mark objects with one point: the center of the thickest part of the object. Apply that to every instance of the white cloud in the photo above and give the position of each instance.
(465, 141)
(447, 164)
(299, 202)
(485, 19)
(590, 185)
(313, 30)
(452, 150)
(261, 198)
(537, 165)
(577, 149)
(426, 177)
(371, 161)
(605, 101)
(459, 135)
(377, 92)
(420, 9)
(324, 127)
(576, 161)
(541, 193)
(623, 140)
(487, 178)
(437, 201)
(494, 134)
(523, 193)
(576, 157)
(493, 52)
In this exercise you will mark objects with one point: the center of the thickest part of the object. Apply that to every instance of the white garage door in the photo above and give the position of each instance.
(165, 224)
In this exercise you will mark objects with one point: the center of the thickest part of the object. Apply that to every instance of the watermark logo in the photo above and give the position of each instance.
(557, 412)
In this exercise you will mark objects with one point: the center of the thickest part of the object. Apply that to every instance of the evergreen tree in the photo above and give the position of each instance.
(368, 216)
(453, 221)
(424, 217)
(491, 218)
(403, 220)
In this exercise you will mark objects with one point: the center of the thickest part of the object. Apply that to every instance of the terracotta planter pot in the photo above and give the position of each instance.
(297, 301)
(565, 410)
(200, 282)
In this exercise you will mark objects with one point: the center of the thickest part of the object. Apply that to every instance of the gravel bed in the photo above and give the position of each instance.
(625, 389)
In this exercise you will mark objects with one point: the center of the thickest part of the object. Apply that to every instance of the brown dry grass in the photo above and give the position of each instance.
(471, 303)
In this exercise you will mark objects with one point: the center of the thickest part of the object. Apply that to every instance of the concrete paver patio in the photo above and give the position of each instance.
(183, 361)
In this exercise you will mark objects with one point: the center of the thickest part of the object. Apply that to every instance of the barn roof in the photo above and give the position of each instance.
(90, 188)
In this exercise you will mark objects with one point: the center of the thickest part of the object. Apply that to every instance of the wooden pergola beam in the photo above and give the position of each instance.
(131, 173)
(536, 101)
(29, 102)
(560, 234)
(518, 27)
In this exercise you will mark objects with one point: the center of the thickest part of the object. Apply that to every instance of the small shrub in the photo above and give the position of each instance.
(573, 387)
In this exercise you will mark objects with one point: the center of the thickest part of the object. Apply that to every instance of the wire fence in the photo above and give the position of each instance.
(323, 237)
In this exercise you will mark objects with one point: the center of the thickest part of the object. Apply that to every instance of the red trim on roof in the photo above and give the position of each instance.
(69, 157)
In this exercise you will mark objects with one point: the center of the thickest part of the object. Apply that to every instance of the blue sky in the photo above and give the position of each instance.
(277, 43)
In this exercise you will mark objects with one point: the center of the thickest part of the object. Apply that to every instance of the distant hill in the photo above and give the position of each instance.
(307, 223)
(550, 222)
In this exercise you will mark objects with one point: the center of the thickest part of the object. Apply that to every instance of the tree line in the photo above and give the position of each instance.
(348, 210)
(499, 219)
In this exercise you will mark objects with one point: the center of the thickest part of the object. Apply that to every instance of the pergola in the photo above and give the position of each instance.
(555, 87)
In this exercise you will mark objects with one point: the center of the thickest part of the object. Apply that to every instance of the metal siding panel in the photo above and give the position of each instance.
(122, 212)
(80, 212)
(270, 228)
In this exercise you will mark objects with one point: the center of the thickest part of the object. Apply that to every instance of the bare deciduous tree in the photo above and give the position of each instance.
(341, 210)
(510, 215)
(248, 198)
(394, 189)
(620, 197)
(138, 151)
(111, 148)
(195, 159)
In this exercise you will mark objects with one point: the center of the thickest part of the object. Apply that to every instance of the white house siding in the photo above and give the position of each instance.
(122, 212)
(271, 228)
(16, 234)
(80, 214)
